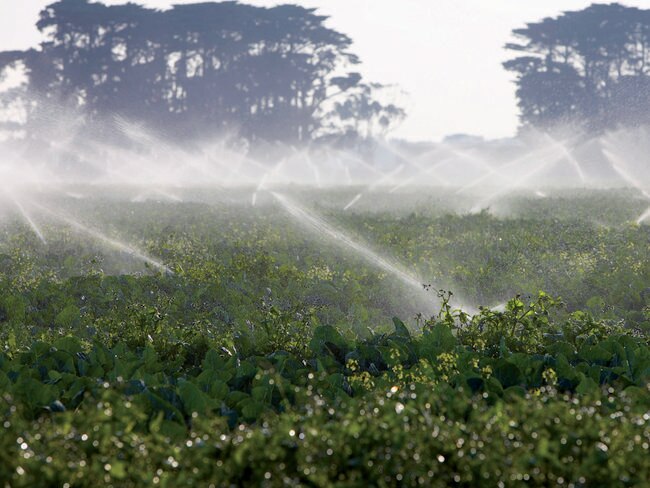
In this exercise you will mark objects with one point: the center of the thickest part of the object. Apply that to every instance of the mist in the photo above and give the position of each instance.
(52, 175)
(219, 265)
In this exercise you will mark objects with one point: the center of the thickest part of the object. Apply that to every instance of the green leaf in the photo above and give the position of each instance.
(158, 403)
(262, 394)
(400, 329)
(234, 398)
(324, 334)
(436, 340)
(149, 357)
(507, 373)
(561, 347)
(594, 354)
(68, 344)
(68, 317)
(194, 400)
(494, 386)
(213, 361)
(210, 382)
(252, 409)
(586, 386)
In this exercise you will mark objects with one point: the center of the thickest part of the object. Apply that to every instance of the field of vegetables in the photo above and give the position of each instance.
(270, 354)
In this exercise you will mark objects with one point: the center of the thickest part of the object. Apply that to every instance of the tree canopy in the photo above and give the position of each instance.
(590, 67)
(274, 74)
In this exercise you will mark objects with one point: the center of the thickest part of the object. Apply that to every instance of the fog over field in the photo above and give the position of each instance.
(98, 119)
(220, 265)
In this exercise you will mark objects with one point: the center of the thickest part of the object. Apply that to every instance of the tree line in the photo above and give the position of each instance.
(589, 67)
(273, 74)
(281, 74)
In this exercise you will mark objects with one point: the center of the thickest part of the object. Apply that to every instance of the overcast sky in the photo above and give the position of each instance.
(445, 55)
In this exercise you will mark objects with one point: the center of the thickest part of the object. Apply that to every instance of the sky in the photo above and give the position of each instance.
(444, 55)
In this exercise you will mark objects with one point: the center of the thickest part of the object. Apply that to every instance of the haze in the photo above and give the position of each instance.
(445, 56)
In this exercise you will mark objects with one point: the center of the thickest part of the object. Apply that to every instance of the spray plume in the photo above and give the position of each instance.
(323, 227)
(120, 246)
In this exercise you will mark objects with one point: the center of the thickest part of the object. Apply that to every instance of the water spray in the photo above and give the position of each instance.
(645, 215)
(614, 161)
(322, 226)
(386, 177)
(542, 153)
(553, 159)
(28, 219)
(427, 171)
(120, 246)
(356, 198)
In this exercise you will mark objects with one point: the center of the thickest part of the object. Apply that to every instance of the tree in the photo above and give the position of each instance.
(589, 67)
(362, 115)
(274, 74)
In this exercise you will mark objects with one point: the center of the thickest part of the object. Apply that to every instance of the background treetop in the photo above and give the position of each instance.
(273, 74)
(589, 67)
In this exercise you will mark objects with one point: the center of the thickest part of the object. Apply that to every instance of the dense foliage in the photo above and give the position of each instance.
(267, 358)
(509, 396)
(231, 261)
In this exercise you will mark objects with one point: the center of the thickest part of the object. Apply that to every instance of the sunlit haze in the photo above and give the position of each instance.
(445, 55)
(325, 243)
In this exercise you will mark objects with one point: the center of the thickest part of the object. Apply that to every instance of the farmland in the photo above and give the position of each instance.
(206, 340)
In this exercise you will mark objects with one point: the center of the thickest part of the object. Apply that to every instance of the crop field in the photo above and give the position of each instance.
(324, 244)
(189, 338)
